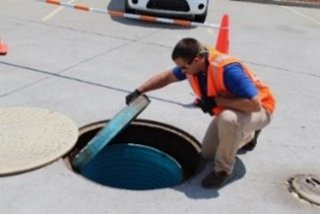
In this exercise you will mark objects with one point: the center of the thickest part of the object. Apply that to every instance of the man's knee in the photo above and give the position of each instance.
(228, 117)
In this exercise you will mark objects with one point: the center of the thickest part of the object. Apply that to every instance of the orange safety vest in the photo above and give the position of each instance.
(216, 86)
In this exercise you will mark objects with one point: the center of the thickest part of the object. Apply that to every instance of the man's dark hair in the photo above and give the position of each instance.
(187, 49)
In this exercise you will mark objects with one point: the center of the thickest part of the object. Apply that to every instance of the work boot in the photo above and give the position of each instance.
(250, 146)
(214, 179)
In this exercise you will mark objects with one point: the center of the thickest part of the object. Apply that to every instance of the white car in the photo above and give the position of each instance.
(181, 8)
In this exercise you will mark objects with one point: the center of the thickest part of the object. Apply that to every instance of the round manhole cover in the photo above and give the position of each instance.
(33, 137)
(307, 187)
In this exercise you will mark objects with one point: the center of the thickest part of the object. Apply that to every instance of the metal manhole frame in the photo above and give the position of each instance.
(192, 142)
(307, 186)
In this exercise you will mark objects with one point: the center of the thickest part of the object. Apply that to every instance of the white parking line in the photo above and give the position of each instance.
(302, 15)
(50, 15)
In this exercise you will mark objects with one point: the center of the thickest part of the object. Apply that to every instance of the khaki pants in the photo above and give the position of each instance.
(228, 132)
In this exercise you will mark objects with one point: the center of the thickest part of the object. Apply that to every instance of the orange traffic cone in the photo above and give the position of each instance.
(222, 44)
(3, 48)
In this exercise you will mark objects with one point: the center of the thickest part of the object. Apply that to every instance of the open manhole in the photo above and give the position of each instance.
(145, 155)
(307, 187)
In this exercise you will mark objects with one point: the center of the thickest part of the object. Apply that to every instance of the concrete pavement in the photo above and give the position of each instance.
(83, 64)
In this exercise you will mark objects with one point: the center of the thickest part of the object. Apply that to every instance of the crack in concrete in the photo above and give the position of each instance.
(76, 80)
(54, 75)
(282, 69)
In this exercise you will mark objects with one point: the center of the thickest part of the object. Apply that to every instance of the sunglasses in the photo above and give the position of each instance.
(201, 53)
(186, 66)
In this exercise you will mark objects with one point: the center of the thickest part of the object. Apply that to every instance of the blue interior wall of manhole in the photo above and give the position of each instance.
(170, 142)
(134, 166)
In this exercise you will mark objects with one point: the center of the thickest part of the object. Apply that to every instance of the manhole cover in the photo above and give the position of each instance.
(33, 137)
(307, 187)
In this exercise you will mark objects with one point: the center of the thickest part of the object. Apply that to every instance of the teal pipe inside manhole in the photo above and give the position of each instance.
(146, 155)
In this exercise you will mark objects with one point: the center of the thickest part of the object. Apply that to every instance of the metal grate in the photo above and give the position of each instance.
(177, 5)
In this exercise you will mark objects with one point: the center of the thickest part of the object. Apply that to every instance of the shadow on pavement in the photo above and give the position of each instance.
(193, 189)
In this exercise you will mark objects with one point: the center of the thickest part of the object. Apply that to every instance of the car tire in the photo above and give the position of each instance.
(128, 9)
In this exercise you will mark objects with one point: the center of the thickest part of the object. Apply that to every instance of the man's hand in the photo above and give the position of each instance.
(132, 96)
(206, 104)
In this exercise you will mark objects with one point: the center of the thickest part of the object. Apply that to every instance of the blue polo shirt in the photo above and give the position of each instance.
(235, 80)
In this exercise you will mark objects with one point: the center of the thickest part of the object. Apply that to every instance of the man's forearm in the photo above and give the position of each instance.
(241, 104)
(158, 81)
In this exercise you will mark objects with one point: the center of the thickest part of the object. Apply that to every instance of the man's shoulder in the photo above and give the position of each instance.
(177, 72)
